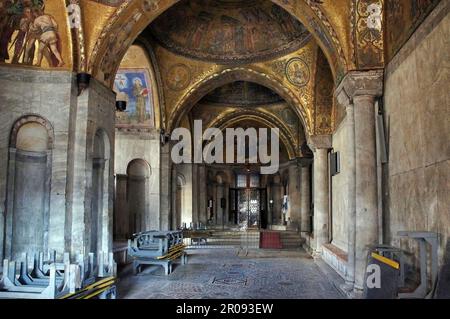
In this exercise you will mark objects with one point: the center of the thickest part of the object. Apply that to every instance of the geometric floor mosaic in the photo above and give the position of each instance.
(231, 274)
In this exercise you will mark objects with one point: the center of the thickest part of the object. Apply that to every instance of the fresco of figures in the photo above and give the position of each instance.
(28, 35)
(249, 29)
(134, 87)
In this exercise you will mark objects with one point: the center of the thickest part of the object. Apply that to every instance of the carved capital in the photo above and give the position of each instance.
(319, 141)
(357, 83)
(305, 162)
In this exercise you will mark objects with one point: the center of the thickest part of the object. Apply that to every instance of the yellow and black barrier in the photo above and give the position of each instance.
(93, 290)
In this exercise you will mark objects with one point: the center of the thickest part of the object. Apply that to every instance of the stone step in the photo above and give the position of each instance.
(291, 239)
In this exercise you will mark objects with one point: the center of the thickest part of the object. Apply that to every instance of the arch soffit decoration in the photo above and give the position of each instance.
(32, 118)
(132, 17)
(206, 85)
(282, 134)
(264, 118)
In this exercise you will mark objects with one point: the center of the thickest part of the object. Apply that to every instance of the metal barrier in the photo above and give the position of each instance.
(156, 248)
(391, 262)
(383, 274)
(423, 238)
(50, 279)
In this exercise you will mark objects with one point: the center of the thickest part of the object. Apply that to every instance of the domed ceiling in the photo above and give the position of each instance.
(242, 93)
(229, 31)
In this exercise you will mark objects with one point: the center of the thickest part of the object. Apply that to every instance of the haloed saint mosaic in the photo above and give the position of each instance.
(134, 87)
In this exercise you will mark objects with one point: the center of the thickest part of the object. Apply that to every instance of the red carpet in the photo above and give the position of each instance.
(270, 240)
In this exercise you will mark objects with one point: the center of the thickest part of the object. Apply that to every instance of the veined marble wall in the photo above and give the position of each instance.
(48, 94)
(417, 102)
(145, 146)
(340, 197)
(75, 119)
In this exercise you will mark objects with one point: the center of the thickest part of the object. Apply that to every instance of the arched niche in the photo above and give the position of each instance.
(29, 178)
(99, 212)
(138, 174)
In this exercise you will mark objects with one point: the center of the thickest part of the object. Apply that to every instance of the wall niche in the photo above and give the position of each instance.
(29, 178)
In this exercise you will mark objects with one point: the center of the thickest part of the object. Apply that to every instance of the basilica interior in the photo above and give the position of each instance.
(93, 91)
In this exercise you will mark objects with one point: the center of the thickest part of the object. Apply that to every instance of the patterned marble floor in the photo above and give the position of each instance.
(232, 274)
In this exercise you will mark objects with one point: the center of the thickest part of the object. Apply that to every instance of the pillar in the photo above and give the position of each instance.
(366, 200)
(165, 221)
(357, 93)
(277, 196)
(226, 212)
(220, 211)
(320, 146)
(294, 194)
(270, 205)
(305, 198)
(174, 187)
(195, 195)
(202, 194)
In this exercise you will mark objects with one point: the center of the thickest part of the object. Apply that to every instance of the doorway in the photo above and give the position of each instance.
(248, 206)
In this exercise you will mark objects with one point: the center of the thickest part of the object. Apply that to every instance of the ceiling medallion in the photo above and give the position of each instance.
(297, 72)
(178, 77)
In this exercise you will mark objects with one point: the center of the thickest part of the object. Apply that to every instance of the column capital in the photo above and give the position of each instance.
(305, 161)
(319, 142)
(358, 83)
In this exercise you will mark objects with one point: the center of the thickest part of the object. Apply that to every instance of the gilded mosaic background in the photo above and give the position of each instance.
(402, 19)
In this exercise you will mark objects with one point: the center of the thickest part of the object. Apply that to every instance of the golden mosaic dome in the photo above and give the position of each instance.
(229, 31)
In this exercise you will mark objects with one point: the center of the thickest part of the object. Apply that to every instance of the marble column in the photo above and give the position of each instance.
(277, 196)
(357, 93)
(269, 205)
(173, 208)
(226, 212)
(321, 193)
(305, 198)
(219, 209)
(294, 194)
(195, 195)
(365, 183)
(351, 213)
(202, 195)
(165, 222)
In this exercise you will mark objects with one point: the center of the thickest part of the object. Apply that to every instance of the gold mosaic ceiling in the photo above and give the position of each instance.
(242, 93)
(229, 31)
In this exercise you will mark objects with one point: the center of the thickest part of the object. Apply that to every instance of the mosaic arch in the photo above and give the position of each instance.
(214, 81)
(283, 135)
(131, 18)
(267, 120)
(350, 33)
